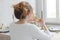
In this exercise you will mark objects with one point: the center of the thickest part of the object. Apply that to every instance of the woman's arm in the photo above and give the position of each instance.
(42, 23)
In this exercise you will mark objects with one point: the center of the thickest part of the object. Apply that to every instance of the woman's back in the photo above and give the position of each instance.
(26, 31)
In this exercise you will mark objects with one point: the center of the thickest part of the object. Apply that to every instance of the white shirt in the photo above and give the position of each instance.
(27, 31)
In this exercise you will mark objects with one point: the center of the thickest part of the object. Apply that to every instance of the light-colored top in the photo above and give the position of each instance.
(27, 31)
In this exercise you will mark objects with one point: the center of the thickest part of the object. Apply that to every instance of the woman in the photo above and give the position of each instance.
(22, 29)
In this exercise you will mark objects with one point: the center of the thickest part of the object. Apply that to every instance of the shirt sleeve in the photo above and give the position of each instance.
(39, 34)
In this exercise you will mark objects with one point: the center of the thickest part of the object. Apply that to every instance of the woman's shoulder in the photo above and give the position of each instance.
(31, 24)
(26, 24)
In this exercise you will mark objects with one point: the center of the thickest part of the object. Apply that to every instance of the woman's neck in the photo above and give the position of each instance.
(22, 21)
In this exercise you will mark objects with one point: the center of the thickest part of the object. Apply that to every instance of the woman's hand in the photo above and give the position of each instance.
(42, 23)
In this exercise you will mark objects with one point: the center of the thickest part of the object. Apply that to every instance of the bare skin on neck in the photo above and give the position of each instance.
(22, 21)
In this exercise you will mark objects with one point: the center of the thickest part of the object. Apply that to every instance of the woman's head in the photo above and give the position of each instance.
(22, 9)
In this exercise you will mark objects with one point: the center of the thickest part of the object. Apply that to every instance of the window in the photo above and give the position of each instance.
(52, 10)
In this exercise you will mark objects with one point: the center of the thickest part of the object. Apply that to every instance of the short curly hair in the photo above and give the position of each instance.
(22, 9)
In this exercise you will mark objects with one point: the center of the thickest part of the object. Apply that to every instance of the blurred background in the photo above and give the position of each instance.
(48, 10)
